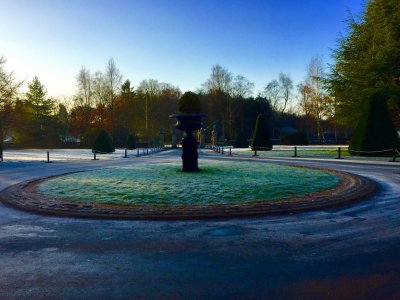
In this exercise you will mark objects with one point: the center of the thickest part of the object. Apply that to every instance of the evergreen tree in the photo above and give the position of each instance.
(375, 131)
(8, 95)
(42, 123)
(262, 137)
(367, 59)
(103, 143)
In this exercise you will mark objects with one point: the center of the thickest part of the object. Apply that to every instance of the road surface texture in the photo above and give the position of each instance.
(351, 252)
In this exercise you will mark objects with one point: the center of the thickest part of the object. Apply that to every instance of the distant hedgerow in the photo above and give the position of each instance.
(294, 138)
(131, 142)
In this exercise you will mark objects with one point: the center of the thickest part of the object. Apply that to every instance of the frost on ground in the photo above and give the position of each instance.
(165, 184)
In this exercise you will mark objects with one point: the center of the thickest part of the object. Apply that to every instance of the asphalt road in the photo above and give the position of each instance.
(352, 252)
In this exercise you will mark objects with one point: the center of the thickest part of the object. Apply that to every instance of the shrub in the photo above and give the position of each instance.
(131, 142)
(103, 143)
(261, 138)
(375, 130)
(294, 138)
(189, 103)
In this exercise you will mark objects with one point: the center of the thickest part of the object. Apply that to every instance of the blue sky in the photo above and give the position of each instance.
(174, 41)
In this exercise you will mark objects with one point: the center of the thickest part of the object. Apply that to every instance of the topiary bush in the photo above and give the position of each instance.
(189, 103)
(375, 130)
(261, 140)
(131, 142)
(294, 138)
(103, 143)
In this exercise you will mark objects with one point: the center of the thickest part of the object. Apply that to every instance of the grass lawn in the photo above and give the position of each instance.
(165, 184)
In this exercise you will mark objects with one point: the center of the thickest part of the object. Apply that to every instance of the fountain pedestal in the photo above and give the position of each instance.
(189, 123)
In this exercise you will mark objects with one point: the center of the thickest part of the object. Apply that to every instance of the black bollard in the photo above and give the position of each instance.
(126, 153)
(295, 152)
(339, 153)
(230, 150)
(48, 157)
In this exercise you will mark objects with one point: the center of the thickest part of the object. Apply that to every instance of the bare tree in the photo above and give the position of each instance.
(242, 87)
(272, 93)
(149, 90)
(112, 80)
(286, 86)
(85, 90)
(99, 89)
(315, 98)
(220, 81)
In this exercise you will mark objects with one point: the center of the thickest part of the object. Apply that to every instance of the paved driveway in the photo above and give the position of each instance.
(348, 252)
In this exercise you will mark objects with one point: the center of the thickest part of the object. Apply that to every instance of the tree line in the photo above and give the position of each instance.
(103, 100)
(367, 58)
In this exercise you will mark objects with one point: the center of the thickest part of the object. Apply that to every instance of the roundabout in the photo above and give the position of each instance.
(162, 191)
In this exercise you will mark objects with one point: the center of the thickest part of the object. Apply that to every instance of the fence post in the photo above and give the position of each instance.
(230, 150)
(126, 153)
(295, 152)
(222, 150)
(48, 157)
(339, 153)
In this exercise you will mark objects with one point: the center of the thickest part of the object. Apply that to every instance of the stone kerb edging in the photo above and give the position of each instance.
(351, 188)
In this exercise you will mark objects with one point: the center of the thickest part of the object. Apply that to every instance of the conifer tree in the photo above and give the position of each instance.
(103, 143)
(261, 140)
(375, 130)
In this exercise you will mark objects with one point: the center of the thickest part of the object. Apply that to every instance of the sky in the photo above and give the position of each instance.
(173, 41)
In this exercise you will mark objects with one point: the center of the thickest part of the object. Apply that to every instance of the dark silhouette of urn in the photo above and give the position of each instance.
(189, 120)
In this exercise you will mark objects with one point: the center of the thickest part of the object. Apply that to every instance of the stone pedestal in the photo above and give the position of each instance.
(189, 123)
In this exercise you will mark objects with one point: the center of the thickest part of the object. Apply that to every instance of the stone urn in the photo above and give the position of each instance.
(189, 123)
(189, 120)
